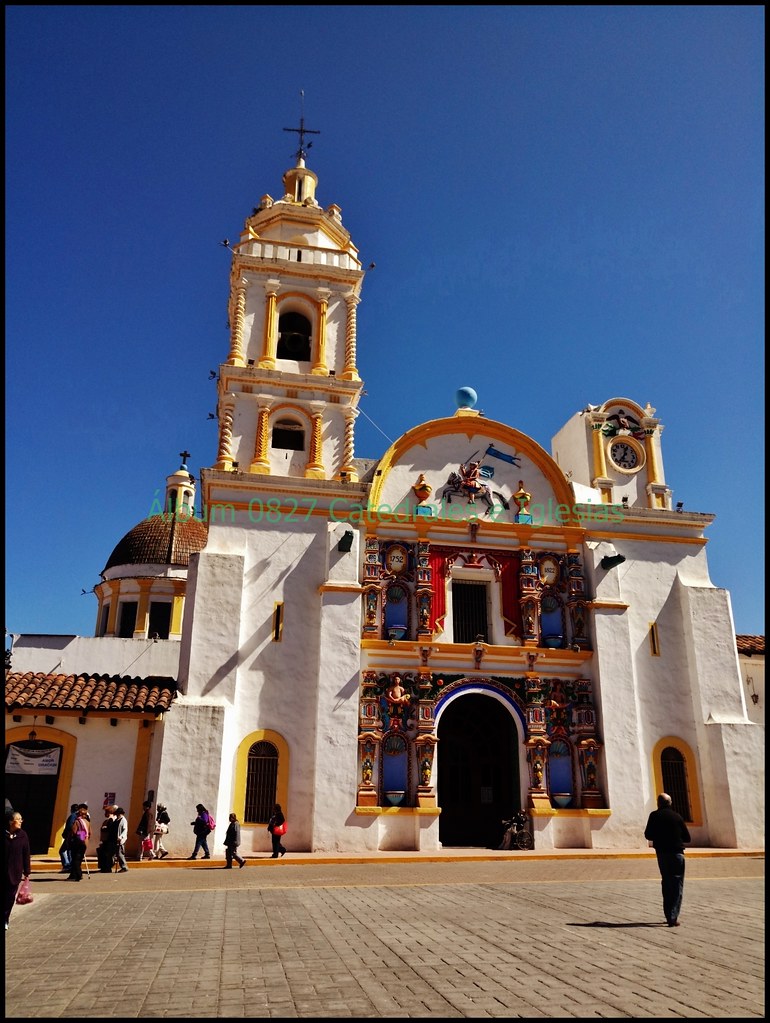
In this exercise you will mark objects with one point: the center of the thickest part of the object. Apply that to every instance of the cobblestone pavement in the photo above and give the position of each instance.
(554, 936)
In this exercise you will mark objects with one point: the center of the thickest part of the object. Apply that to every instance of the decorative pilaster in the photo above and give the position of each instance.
(225, 454)
(578, 610)
(112, 617)
(314, 468)
(368, 746)
(142, 609)
(261, 462)
(319, 366)
(177, 608)
(236, 336)
(270, 336)
(350, 371)
(588, 757)
(425, 745)
(347, 467)
(530, 618)
(600, 480)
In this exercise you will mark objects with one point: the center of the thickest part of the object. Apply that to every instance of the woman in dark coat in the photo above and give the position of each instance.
(17, 865)
(275, 822)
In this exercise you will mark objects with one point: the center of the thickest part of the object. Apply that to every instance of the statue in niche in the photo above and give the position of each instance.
(395, 705)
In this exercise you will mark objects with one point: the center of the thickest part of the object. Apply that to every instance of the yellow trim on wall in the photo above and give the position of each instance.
(61, 808)
(241, 769)
(139, 782)
(693, 785)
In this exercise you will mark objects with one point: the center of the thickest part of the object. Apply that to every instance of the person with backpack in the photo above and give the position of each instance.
(162, 821)
(202, 826)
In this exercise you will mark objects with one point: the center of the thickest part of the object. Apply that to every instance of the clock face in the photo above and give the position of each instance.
(624, 455)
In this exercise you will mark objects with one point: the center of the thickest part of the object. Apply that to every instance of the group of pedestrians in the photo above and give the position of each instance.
(113, 836)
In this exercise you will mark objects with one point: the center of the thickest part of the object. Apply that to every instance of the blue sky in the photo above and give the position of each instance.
(564, 205)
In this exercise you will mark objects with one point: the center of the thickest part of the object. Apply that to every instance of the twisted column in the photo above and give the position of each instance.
(236, 337)
(349, 371)
(261, 462)
(347, 467)
(314, 467)
(225, 453)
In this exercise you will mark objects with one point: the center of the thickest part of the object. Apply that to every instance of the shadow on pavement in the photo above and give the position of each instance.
(606, 923)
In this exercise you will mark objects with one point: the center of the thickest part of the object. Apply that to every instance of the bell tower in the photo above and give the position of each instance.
(289, 389)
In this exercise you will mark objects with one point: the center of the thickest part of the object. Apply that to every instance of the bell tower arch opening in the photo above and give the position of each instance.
(478, 770)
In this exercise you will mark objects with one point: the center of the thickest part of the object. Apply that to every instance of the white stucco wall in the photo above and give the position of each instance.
(95, 655)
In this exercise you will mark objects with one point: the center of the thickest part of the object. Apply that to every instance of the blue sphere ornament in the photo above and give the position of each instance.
(466, 397)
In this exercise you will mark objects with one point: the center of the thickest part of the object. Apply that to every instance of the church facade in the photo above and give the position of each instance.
(404, 651)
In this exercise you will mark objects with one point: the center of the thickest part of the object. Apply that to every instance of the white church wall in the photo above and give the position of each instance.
(190, 770)
(211, 626)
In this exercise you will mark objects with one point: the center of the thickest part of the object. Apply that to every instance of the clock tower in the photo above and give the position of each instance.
(614, 449)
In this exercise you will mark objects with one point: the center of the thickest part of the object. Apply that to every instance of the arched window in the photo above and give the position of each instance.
(261, 783)
(673, 769)
(293, 337)
(288, 435)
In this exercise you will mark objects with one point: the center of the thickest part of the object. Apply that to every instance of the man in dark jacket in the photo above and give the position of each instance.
(668, 832)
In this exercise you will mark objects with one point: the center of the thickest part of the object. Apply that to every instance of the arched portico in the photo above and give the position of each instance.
(478, 761)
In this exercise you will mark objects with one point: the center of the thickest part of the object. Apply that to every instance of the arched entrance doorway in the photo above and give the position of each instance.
(478, 771)
(32, 769)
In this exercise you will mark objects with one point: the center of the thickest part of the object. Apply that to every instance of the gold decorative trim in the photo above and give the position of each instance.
(340, 588)
(395, 811)
(551, 812)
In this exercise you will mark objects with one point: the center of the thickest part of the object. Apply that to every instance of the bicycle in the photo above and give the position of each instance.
(516, 835)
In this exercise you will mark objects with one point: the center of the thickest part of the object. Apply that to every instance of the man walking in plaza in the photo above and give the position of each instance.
(667, 832)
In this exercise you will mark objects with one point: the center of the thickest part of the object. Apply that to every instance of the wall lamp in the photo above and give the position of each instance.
(346, 541)
(679, 505)
(754, 694)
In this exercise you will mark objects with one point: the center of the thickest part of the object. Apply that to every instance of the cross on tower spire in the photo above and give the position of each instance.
(302, 131)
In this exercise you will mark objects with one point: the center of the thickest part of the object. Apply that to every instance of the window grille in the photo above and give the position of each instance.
(673, 769)
(469, 611)
(261, 783)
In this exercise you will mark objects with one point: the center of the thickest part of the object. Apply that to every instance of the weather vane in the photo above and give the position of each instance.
(302, 131)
